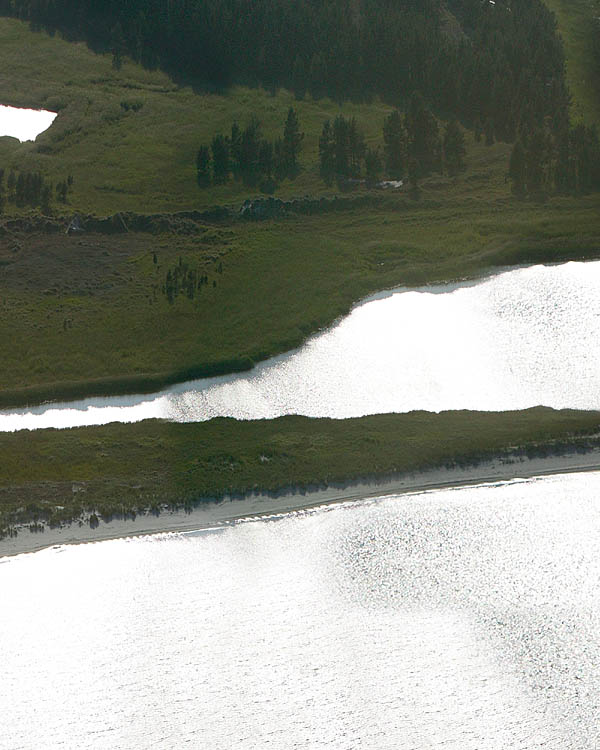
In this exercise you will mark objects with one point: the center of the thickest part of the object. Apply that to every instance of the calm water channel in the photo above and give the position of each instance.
(24, 124)
(521, 338)
(459, 619)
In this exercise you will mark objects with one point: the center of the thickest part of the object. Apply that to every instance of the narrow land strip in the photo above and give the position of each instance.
(257, 505)
(89, 482)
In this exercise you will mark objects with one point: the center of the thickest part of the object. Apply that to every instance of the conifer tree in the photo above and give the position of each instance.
(118, 46)
(292, 140)
(373, 166)
(46, 199)
(203, 166)
(235, 145)
(327, 154)
(341, 147)
(488, 129)
(265, 158)
(61, 191)
(414, 171)
(395, 145)
(454, 148)
(423, 136)
(299, 78)
(517, 168)
(356, 148)
(20, 190)
(220, 158)
(11, 184)
(249, 152)
(536, 161)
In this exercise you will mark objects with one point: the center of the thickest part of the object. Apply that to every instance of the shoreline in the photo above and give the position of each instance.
(64, 394)
(261, 505)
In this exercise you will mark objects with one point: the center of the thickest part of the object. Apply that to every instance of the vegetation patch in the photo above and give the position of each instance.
(51, 477)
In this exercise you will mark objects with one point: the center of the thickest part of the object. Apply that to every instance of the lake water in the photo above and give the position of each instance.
(464, 619)
(24, 124)
(525, 337)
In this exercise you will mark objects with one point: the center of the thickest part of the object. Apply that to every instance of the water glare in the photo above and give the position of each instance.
(519, 339)
(24, 124)
(463, 619)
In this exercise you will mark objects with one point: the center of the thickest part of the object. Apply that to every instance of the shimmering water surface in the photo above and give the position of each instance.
(525, 337)
(458, 619)
(24, 124)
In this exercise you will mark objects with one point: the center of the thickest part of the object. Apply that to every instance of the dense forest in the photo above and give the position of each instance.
(497, 64)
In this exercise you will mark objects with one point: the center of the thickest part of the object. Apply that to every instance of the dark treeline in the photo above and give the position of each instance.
(413, 147)
(250, 157)
(567, 162)
(498, 64)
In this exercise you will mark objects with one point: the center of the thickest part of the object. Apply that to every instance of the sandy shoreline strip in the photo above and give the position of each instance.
(227, 511)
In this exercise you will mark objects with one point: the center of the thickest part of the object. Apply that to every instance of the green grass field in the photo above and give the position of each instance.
(60, 475)
(575, 19)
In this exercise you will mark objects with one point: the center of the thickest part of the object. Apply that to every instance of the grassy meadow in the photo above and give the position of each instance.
(100, 319)
(575, 19)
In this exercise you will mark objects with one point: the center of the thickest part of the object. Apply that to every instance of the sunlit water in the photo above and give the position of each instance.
(459, 619)
(24, 124)
(522, 338)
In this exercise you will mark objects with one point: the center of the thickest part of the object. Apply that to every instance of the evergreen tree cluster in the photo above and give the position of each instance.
(413, 147)
(29, 189)
(249, 157)
(341, 150)
(544, 162)
(185, 280)
(497, 63)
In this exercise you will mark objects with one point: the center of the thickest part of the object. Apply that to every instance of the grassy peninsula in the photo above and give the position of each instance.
(57, 476)
(86, 313)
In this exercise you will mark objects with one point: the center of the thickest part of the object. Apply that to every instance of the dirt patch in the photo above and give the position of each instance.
(85, 264)
(58, 264)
